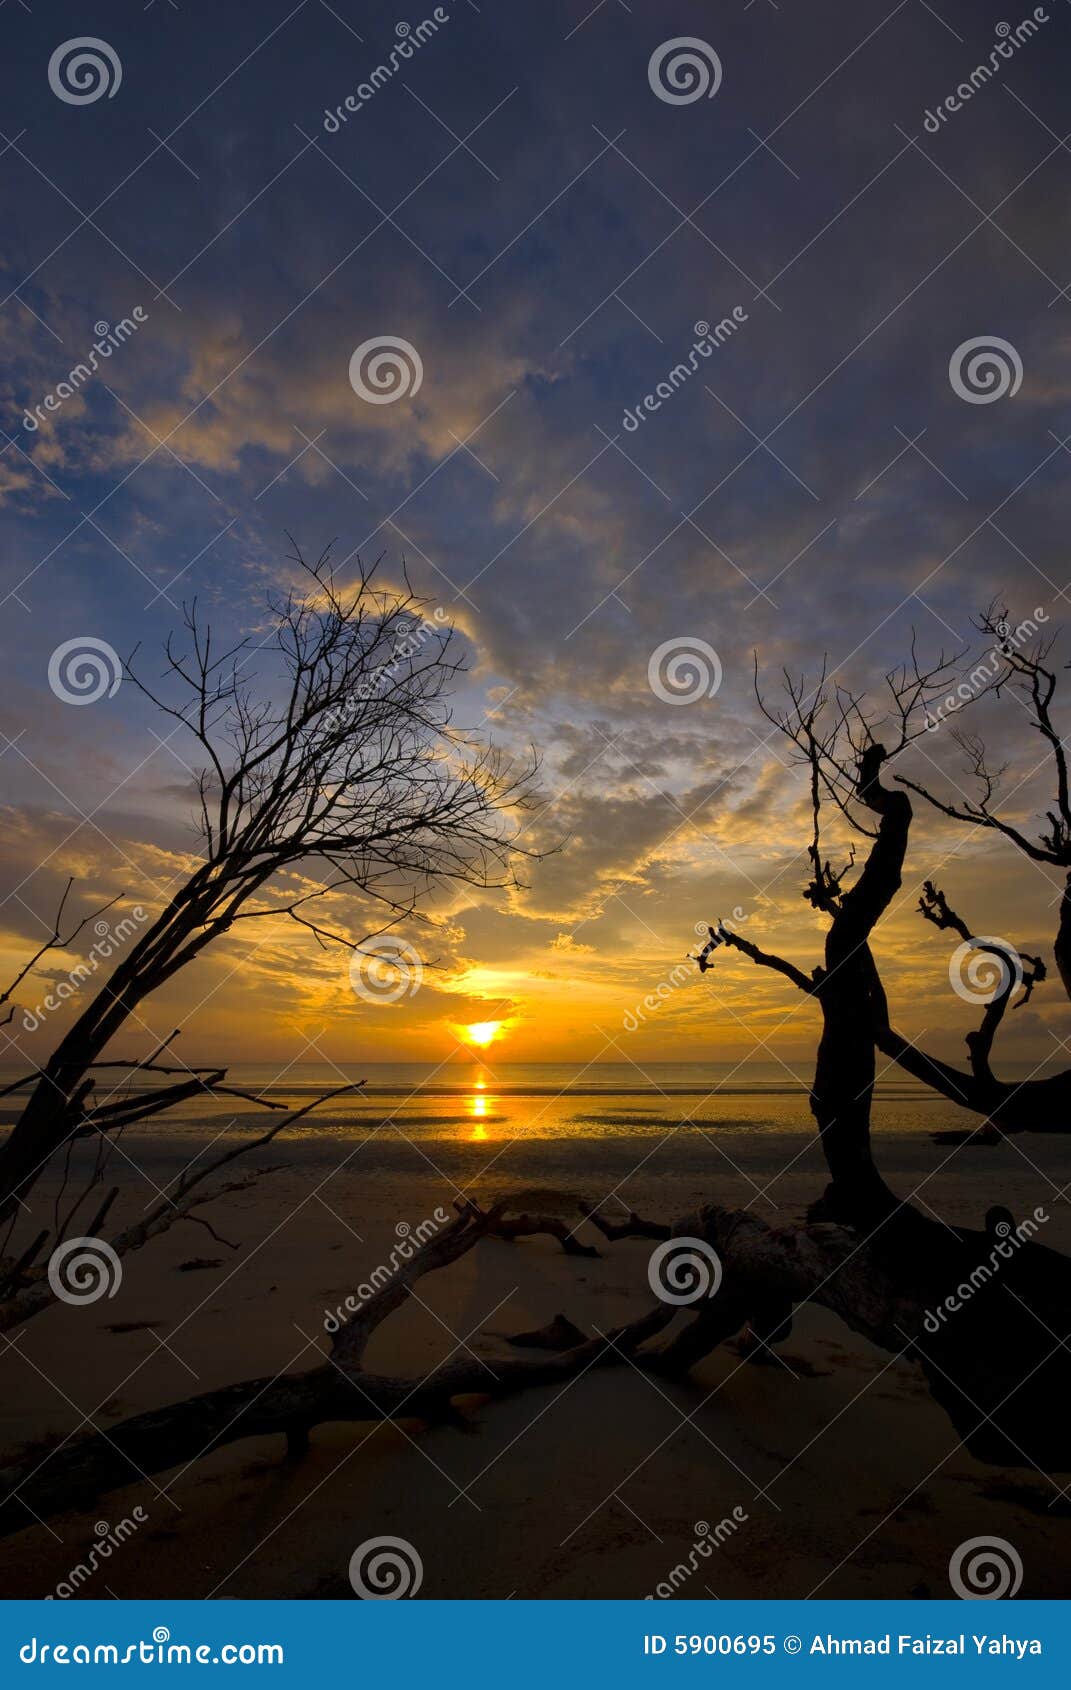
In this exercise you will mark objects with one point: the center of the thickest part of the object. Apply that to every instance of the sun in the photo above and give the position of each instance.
(482, 1033)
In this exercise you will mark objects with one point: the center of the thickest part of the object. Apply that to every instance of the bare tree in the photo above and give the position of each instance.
(833, 730)
(999, 1365)
(1022, 673)
(328, 754)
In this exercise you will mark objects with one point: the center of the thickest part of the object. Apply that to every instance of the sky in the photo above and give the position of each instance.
(517, 200)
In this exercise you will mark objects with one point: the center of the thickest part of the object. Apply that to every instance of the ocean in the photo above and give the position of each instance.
(485, 1100)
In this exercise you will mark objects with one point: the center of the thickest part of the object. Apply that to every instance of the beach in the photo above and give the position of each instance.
(827, 1470)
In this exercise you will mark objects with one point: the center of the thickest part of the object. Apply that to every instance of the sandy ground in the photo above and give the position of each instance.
(850, 1478)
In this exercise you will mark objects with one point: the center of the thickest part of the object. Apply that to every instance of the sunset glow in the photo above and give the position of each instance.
(482, 1033)
(468, 549)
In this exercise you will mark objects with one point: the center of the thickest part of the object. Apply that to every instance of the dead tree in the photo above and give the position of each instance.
(996, 1375)
(1035, 1105)
(26, 1289)
(328, 755)
(1000, 1366)
(998, 1363)
(832, 729)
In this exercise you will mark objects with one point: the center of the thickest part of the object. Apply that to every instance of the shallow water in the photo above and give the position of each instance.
(485, 1101)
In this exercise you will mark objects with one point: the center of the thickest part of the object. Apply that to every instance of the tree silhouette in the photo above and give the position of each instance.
(985, 1312)
(328, 754)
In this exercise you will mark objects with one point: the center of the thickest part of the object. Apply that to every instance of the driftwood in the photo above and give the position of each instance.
(985, 1313)
(998, 1364)
(76, 1473)
(992, 1367)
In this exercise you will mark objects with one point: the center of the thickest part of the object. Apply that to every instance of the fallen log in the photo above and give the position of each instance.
(997, 1364)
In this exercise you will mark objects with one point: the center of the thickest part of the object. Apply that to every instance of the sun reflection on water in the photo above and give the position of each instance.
(479, 1105)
